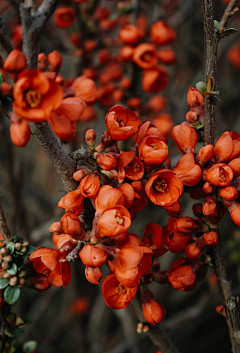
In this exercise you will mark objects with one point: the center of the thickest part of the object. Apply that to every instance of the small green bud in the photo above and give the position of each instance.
(18, 246)
(13, 281)
(21, 282)
(4, 251)
(5, 265)
(8, 258)
(22, 273)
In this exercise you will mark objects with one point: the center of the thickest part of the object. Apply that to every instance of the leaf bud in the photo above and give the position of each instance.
(22, 273)
(8, 258)
(21, 282)
(6, 275)
(3, 251)
(5, 265)
(18, 246)
(24, 250)
(13, 281)
(25, 243)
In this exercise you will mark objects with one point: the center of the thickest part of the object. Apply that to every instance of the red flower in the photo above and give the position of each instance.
(53, 263)
(164, 188)
(121, 123)
(154, 80)
(220, 174)
(152, 150)
(114, 221)
(162, 33)
(181, 275)
(187, 171)
(145, 55)
(185, 137)
(64, 17)
(153, 311)
(116, 295)
(35, 96)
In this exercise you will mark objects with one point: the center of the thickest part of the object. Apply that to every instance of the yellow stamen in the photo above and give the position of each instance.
(161, 186)
(120, 289)
(33, 98)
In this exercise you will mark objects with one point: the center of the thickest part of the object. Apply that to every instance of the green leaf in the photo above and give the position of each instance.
(10, 247)
(3, 282)
(12, 294)
(29, 346)
(211, 93)
(11, 319)
(13, 269)
(1, 78)
(229, 32)
(27, 320)
(201, 86)
(17, 239)
(211, 265)
(10, 331)
(217, 25)
(197, 126)
(31, 249)
(210, 83)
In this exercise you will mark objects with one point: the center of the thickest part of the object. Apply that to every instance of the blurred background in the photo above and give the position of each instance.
(76, 318)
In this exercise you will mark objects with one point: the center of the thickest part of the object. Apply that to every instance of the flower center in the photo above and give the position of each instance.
(120, 121)
(147, 57)
(161, 186)
(33, 98)
(221, 175)
(135, 166)
(120, 289)
(119, 220)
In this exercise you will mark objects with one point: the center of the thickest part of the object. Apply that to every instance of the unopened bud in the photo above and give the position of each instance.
(24, 250)
(192, 117)
(8, 258)
(6, 275)
(13, 281)
(139, 327)
(145, 329)
(235, 11)
(18, 246)
(22, 273)
(90, 137)
(25, 243)
(21, 282)
(155, 266)
(5, 265)
(3, 251)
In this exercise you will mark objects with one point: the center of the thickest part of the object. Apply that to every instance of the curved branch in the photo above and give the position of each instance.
(4, 230)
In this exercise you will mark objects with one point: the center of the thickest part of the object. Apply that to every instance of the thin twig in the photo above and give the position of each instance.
(4, 230)
(228, 13)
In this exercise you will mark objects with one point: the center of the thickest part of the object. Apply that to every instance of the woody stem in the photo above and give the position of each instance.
(4, 230)
(211, 39)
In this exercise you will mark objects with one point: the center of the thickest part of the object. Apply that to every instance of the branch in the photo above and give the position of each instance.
(5, 43)
(4, 230)
(228, 13)
(56, 154)
(210, 53)
(82, 154)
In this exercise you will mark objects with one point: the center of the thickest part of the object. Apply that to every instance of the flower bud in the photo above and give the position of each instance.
(90, 137)
(195, 249)
(21, 282)
(3, 251)
(22, 273)
(13, 281)
(18, 246)
(5, 265)
(93, 274)
(210, 238)
(192, 117)
(8, 258)
(6, 275)
(106, 161)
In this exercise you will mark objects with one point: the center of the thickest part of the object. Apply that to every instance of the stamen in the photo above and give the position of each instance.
(161, 186)
(33, 98)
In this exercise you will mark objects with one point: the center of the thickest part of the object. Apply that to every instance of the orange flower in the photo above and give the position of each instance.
(177, 242)
(229, 193)
(92, 256)
(234, 210)
(128, 192)
(224, 147)
(194, 98)
(129, 34)
(52, 263)
(148, 129)
(181, 275)
(70, 223)
(64, 17)
(121, 123)
(15, 63)
(117, 296)
(185, 137)
(145, 55)
(182, 224)
(36, 96)
(187, 171)
(162, 33)
(166, 56)
(108, 197)
(154, 80)
(72, 201)
(220, 174)
(152, 150)
(204, 155)
(93, 274)
(84, 88)
(235, 166)
(55, 60)
(126, 53)
(164, 123)
(89, 185)
(210, 238)
(19, 130)
(154, 238)
(156, 103)
(88, 114)
(114, 221)
(195, 249)
(106, 161)
(164, 188)
(153, 311)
